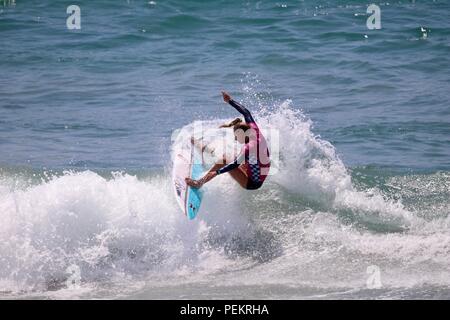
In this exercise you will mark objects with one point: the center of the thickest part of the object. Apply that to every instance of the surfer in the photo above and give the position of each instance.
(251, 167)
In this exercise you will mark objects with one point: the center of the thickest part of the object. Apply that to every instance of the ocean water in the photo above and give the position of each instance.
(359, 206)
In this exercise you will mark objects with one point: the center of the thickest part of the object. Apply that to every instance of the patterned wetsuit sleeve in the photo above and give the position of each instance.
(233, 165)
(242, 110)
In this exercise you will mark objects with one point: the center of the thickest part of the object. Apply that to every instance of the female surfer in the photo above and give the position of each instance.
(251, 167)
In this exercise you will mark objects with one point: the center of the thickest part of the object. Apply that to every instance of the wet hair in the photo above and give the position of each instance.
(236, 124)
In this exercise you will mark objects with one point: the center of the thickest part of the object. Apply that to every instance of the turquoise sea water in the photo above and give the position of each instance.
(87, 116)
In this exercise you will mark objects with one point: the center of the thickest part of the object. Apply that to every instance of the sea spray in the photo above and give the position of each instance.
(308, 226)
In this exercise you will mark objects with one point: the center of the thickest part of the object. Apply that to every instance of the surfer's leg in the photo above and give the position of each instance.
(240, 176)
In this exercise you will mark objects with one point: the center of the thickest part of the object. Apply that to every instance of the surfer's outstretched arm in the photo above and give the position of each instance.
(233, 165)
(219, 168)
(239, 107)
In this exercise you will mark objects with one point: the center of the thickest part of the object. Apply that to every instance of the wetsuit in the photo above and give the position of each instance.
(254, 156)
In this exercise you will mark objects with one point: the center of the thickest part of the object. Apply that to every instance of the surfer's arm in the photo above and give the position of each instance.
(233, 165)
(242, 110)
(213, 172)
(199, 183)
(239, 107)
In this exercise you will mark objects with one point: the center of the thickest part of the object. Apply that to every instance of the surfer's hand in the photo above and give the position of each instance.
(199, 183)
(193, 183)
(226, 97)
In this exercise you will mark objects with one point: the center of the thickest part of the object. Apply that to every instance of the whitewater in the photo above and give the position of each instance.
(317, 229)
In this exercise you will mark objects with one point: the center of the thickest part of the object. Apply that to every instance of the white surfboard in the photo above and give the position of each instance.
(187, 162)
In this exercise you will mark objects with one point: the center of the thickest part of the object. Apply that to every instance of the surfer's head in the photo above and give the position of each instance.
(232, 123)
(240, 130)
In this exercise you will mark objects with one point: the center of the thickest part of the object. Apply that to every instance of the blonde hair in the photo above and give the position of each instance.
(232, 123)
(237, 124)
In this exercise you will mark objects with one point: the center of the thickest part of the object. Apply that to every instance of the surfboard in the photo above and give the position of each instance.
(187, 162)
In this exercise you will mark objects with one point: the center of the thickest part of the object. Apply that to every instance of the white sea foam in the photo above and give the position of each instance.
(124, 227)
